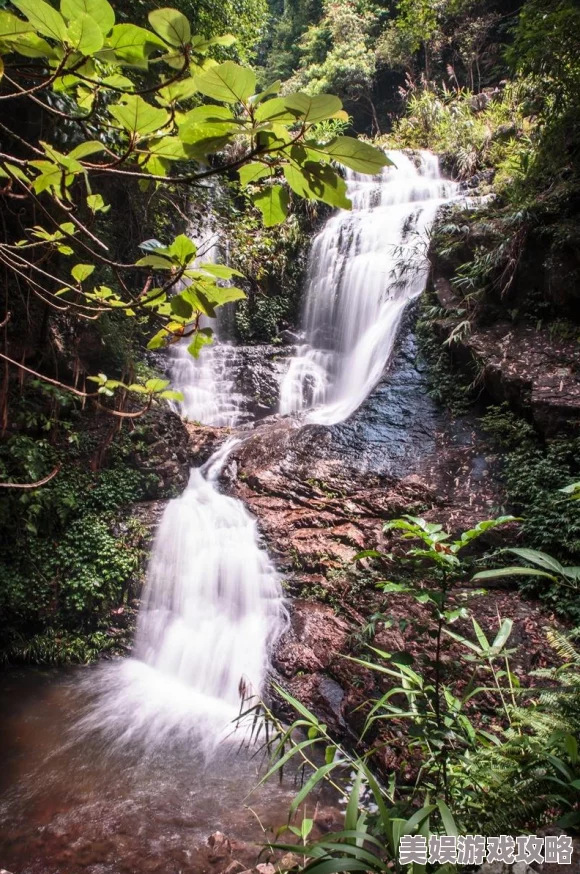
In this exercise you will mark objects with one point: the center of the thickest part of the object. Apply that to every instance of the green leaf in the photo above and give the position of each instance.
(96, 203)
(100, 11)
(277, 110)
(43, 18)
(313, 781)
(222, 271)
(317, 182)
(32, 46)
(171, 395)
(499, 573)
(183, 250)
(447, 818)
(10, 25)
(270, 91)
(82, 271)
(502, 635)
(313, 109)
(85, 149)
(171, 25)
(181, 307)
(356, 155)
(156, 261)
(139, 117)
(228, 83)
(272, 202)
(220, 296)
(155, 385)
(85, 35)
(134, 44)
(253, 172)
(201, 339)
(541, 559)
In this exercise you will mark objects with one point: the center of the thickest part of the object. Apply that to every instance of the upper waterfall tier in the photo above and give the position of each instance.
(364, 268)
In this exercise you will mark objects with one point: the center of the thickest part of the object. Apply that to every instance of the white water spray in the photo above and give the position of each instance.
(211, 610)
(365, 266)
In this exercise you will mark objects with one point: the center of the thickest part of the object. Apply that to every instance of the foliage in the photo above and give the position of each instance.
(470, 135)
(534, 474)
(147, 106)
(246, 18)
(337, 53)
(535, 770)
(493, 755)
(373, 825)
(70, 555)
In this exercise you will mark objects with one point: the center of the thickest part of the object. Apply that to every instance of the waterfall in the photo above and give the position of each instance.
(207, 383)
(211, 609)
(365, 266)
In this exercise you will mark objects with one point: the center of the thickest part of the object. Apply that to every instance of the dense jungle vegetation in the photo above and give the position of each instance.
(116, 120)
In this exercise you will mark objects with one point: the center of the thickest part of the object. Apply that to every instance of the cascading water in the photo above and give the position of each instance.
(211, 609)
(365, 266)
(206, 383)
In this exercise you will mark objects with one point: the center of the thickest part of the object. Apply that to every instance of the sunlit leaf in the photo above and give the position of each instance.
(44, 18)
(171, 25)
(253, 172)
(85, 35)
(137, 116)
(357, 155)
(85, 149)
(100, 11)
(10, 25)
(202, 338)
(272, 202)
(81, 271)
(227, 82)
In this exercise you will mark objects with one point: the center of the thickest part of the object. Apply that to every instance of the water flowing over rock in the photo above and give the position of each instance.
(212, 609)
(365, 266)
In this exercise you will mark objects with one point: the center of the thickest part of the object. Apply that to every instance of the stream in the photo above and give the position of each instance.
(129, 766)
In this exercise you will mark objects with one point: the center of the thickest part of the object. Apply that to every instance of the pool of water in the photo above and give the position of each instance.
(74, 802)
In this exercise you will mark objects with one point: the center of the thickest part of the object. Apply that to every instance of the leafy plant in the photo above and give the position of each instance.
(147, 106)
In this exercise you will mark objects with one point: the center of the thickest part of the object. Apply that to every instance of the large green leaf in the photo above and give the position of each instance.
(205, 123)
(313, 109)
(85, 35)
(32, 46)
(540, 559)
(83, 150)
(171, 25)
(272, 202)
(100, 10)
(202, 338)
(317, 182)
(10, 25)
(176, 91)
(44, 18)
(253, 172)
(82, 271)
(183, 249)
(277, 110)
(139, 117)
(227, 82)
(499, 573)
(134, 44)
(168, 148)
(356, 155)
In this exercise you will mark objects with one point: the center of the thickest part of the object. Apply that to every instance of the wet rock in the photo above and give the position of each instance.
(531, 369)
(220, 846)
(289, 862)
(234, 867)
